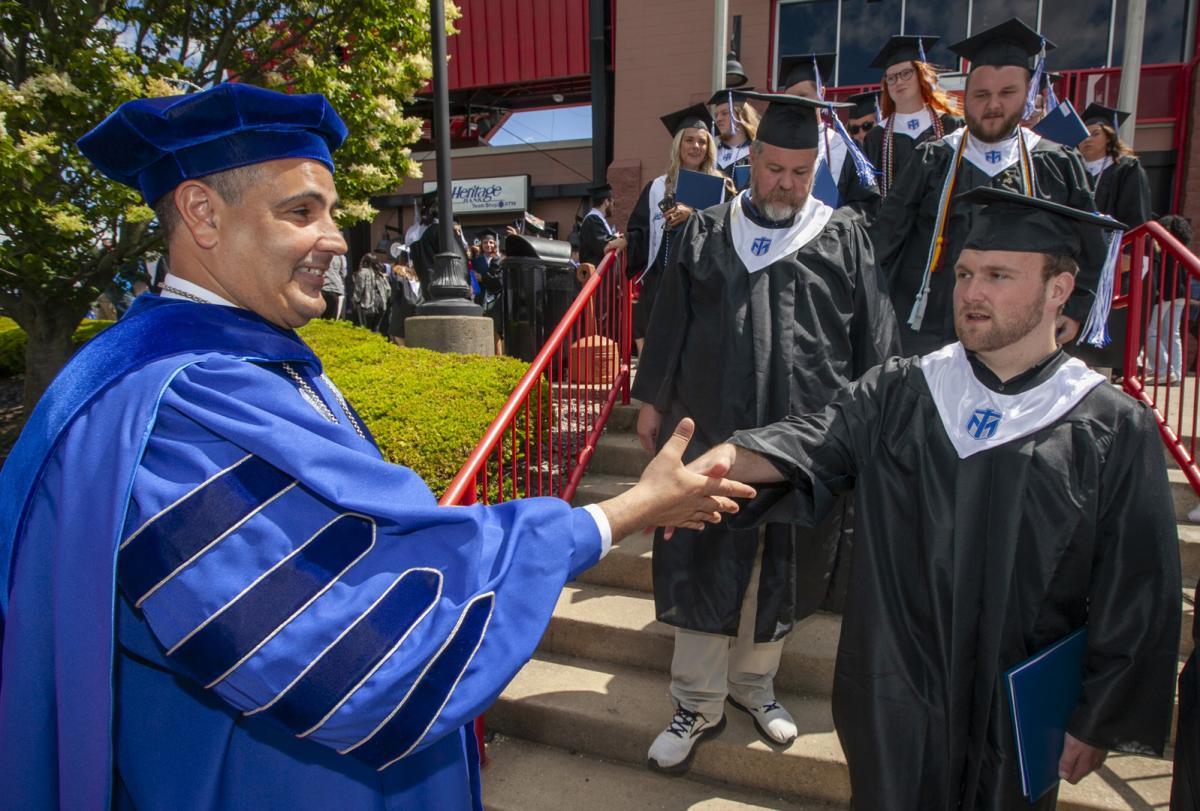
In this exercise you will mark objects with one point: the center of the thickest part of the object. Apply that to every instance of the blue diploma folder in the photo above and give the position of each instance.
(1042, 694)
(741, 177)
(699, 191)
(1062, 125)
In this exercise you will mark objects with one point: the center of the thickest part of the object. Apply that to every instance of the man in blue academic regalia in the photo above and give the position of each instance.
(214, 593)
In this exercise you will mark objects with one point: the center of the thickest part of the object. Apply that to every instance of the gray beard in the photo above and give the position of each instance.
(778, 211)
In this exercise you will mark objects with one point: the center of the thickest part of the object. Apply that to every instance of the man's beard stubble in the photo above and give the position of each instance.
(1001, 333)
(994, 129)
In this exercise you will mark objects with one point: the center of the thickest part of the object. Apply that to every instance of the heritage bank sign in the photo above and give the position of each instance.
(486, 194)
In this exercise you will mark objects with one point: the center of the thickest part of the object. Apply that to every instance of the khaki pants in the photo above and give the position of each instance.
(707, 667)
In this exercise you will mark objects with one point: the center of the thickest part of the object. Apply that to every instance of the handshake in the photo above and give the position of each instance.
(670, 494)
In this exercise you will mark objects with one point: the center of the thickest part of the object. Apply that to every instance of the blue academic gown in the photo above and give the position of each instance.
(216, 594)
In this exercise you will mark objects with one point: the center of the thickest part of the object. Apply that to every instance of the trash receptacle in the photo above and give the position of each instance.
(539, 286)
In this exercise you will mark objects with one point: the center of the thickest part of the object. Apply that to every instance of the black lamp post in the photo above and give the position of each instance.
(450, 290)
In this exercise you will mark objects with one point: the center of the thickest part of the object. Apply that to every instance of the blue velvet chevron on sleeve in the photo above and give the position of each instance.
(283, 565)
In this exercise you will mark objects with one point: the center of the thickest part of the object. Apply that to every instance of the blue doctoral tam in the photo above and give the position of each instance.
(155, 144)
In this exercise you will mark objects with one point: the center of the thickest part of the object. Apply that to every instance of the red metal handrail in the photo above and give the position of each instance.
(1157, 260)
(559, 388)
(554, 416)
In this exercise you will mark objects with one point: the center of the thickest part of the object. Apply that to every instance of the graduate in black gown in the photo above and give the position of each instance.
(657, 217)
(770, 305)
(1006, 496)
(922, 223)
(838, 183)
(1119, 182)
(736, 123)
(1185, 783)
(913, 108)
(863, 116)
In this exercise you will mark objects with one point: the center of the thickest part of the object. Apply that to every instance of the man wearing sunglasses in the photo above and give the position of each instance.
(861, 118)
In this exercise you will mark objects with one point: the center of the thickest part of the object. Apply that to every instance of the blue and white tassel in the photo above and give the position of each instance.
(1095, 330)
(866, 171)
(1035, 84)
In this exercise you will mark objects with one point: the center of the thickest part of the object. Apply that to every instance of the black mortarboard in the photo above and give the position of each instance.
(598, 192)
(903, 48)
(1012, 42)
(155, 144)
(799, 68)
(1048, 78)
(1098, 113)
(864, 103)
(696, 115)
(722, 96)
(486, 233)
(790, 122)
(1011, 221)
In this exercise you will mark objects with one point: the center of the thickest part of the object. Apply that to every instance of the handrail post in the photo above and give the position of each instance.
(1133, 322)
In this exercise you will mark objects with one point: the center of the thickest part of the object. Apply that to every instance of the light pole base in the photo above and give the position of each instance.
(464, 334)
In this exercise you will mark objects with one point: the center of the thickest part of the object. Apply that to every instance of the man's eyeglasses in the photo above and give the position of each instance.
(866, 126)
(899, 76)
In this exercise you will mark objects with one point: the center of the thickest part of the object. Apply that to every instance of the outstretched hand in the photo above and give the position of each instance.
(670, 495)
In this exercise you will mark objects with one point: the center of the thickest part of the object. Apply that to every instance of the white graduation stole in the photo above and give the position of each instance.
(758, 246)
(992, 159)
(978, 419)
(912, 124)
(658, 221)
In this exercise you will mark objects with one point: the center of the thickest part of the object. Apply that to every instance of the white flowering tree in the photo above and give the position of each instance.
(66, 232)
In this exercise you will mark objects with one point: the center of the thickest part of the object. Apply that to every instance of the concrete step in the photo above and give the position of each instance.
(1182, 494)
(623, 418)
(515, 779)
(614, 712)
(619, 454)
(628, 565)
(614, 625)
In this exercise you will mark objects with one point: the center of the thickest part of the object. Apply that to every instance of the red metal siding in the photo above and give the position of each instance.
(514, 41)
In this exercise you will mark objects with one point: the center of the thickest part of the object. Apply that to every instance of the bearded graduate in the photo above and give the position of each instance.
(924, 220)
(771, 305)
(214, 592)
(914, 108)
(1006, 497)
(844, 177)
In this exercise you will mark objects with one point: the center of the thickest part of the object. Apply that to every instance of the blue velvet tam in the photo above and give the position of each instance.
(155, 144)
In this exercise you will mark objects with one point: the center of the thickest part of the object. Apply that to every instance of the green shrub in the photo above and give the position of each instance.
(426, 409)
(12, 343)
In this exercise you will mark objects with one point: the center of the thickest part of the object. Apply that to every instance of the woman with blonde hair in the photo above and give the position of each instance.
(657, 217)
(1118, 180)
(914, 108)
(736, 125)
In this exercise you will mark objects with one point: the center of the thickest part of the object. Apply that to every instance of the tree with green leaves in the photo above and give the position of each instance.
(66, 232)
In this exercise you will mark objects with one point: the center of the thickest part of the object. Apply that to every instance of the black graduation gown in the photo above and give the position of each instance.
(1185, 784)
(903, 147)
(907, 218)
(964, 568)
(1123, 192)
(735, 350)
(593, 236)
(637, 238)
(856, 195)
(403, 304)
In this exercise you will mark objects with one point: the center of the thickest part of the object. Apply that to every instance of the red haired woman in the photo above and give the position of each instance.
(914, 108)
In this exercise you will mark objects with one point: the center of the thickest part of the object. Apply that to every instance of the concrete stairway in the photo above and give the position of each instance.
(574, 726)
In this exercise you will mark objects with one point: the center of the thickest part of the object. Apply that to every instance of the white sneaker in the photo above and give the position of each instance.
(673, 749)
(774, 723)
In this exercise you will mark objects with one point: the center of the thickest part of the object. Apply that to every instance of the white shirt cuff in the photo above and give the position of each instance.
(602, 526)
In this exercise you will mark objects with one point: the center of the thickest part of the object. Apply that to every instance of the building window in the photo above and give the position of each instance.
(947, 21)
(1088, 33)
(866, 24)
(1165, 36)
(547, 125)
(1079, 30)
(808, 26)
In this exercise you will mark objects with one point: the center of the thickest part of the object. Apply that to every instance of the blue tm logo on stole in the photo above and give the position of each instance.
(993, 155)
(913, 123)
(983, 423)
(760, 246)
